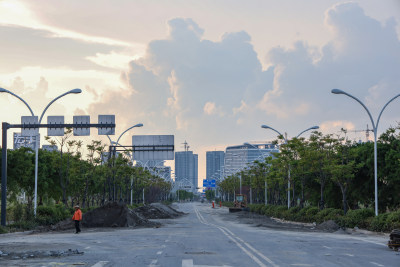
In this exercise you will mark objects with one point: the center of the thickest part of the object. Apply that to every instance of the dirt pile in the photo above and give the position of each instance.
(63, 225)
(115, 215)
(118, 215)
(329, 226)
(158, 211)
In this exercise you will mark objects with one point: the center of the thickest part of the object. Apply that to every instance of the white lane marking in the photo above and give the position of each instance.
(377, 264)
(350, 255)
(100, 264)
(252, 256)
(153, 263)
(189, 263)
(87, 247)
(301, 264)
(158, 253)
(326, 247)
(368, 241)
(253, 249)
(232, 236)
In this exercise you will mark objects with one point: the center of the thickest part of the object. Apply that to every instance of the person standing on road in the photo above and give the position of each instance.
(77, 218)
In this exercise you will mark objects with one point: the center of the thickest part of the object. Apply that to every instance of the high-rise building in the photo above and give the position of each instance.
(214, 164)
(239, 157)
(186, 167)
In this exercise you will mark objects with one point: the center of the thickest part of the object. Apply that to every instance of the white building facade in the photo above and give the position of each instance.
(240, 157)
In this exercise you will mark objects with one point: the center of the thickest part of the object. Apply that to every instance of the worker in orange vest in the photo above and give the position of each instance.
(77, 218)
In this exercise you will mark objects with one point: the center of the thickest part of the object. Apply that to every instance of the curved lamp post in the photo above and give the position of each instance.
(375, 128)
(73, 91)
(286, 141)
(117, 143)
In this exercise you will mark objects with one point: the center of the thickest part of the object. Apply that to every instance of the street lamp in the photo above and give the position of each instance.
(117, 143)
(73, 91)
(286, 141)
(375, 128)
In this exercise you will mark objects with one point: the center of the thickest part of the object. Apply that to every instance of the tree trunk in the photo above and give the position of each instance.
(322, 203)
(344, 197)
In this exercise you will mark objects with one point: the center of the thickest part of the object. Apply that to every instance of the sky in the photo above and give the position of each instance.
(209, 72)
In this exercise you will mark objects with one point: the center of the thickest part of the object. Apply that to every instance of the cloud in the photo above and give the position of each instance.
(188, 83)
(212, 92)
(46, 50)
(361, 59)
(113, 59)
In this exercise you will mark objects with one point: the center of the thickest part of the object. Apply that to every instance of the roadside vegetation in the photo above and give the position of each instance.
(331, 178)
(66, 178)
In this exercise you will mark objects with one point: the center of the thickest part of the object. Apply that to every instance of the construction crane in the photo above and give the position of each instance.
(357, 131)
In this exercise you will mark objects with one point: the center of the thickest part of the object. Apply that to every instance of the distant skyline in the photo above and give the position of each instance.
(209, 72)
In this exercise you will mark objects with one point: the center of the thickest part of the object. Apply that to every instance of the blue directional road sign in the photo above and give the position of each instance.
(212, 183)
(208, 183)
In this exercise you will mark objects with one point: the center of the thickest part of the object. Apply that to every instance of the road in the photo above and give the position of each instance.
(203, 237)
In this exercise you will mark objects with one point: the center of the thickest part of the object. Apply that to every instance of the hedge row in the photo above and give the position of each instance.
(22, 218)
(362, 218)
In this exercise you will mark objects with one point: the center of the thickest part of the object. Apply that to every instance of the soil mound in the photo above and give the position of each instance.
(115, 215)
(158, 211)
(63, 225)
(328, 226)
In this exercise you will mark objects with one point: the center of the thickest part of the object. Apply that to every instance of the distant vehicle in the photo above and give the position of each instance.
(239, 204)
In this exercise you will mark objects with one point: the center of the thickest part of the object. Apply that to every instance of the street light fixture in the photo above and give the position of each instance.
(117, 143)
(73, 91)
(286, 141)
(375, 129)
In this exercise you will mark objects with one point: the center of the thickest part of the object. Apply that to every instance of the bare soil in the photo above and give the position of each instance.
(258, 220)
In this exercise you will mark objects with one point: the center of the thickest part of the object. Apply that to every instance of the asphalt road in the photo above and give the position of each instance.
(203, 237)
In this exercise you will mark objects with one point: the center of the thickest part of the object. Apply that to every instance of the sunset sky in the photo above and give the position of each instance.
(209, 72)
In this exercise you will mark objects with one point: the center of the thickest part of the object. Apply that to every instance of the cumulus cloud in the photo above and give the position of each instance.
(361, 59)
(217, 92)
(183, 81)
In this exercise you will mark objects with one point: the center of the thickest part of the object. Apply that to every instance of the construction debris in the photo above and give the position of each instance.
(394, 242)
(38, 254)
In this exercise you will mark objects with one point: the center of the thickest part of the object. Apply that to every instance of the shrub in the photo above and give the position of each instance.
(262, 210)
(275, 211)
(47, 215)
(310, 214)
(226, 204)
(378, 223)
(292, 213)
(3, 230)
(45, 211)
(24, 225)
(328, 214)
(255, 207)
(358, 218)
(393, 221)
(18, 212)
